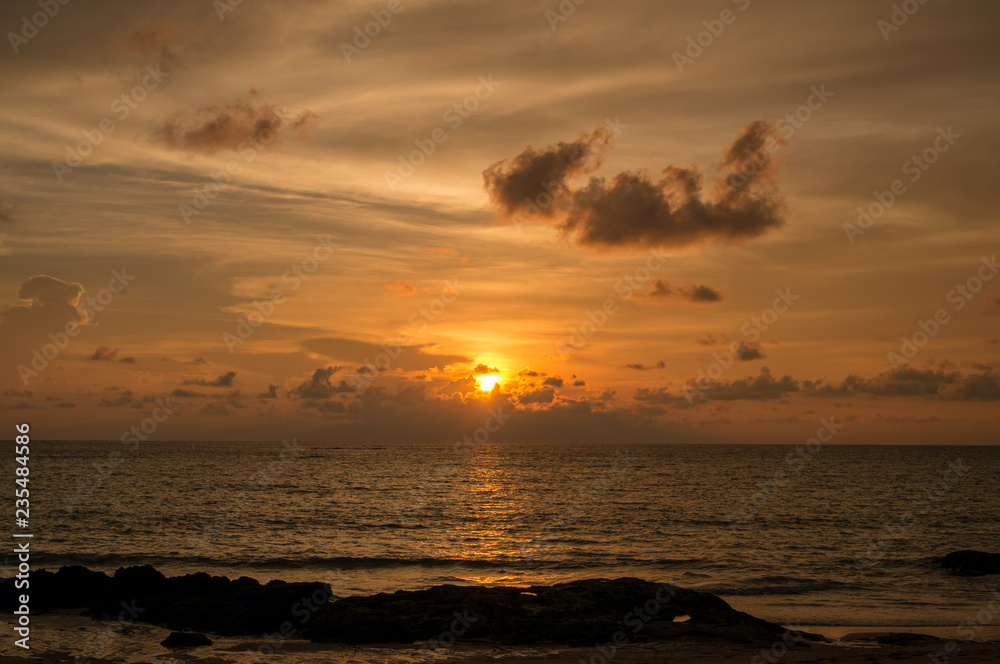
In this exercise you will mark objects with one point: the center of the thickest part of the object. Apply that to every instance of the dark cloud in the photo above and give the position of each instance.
(124, 399)
(227, 126)
(320, 385)
(104, 354)
(674, 211)
(579, 383)
(225, 380)
(749, 351)
(387, 356)
(481, 368)
(553, 381)
(541, 395)
(642, 367)
(127, 360)
(185, 394)
(198, 361)
(661, 396)
(272, 392)
(760, 387)
(534, 182)
(696, 293)
(950, 385)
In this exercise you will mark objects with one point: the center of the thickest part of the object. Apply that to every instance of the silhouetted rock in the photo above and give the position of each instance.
(192, 602)
(971, 563)
(186, 640)
(576, 613)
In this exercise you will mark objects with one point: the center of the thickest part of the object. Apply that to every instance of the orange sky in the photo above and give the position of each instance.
(234, 209)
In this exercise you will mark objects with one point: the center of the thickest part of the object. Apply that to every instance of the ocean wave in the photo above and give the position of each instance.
(753, 590)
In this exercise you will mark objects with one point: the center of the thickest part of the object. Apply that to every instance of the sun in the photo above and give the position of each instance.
(487, 382)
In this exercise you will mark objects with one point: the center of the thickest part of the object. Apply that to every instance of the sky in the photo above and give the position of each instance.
(678, 222)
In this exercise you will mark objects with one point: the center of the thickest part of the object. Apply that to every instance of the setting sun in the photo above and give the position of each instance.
(487, 382)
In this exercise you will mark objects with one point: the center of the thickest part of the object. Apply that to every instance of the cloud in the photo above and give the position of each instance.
(539, 396)
(760, 387)
(535, 180)
(661, 396)
(696, 293)
(707, 340)
(225, 380)
(749, 351)
(949, 385)
(227, 126)
(198, 361)
(553, 381)
(481, 368)
(401, 289)
(642, 367)
(50, 309)
(320, 386)
(387, 356)
(124, 399)
(104, 354)
(272, 392)
(579, 383)
(185, 394)
(633, 210)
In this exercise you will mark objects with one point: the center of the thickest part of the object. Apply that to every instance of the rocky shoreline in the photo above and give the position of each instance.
(625, 610)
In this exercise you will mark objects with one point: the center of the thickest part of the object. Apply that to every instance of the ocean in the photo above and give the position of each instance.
(833, 535)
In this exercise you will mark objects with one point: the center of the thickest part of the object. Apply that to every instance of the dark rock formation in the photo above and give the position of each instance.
(577, 613)
(970, 563)
(186, 640)
(194, 601)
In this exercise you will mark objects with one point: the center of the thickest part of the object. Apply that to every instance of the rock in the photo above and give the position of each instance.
(193, 602)
(186, 640)
(970, 563)
(576, 613)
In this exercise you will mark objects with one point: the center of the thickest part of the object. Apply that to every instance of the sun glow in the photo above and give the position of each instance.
(487, 382)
